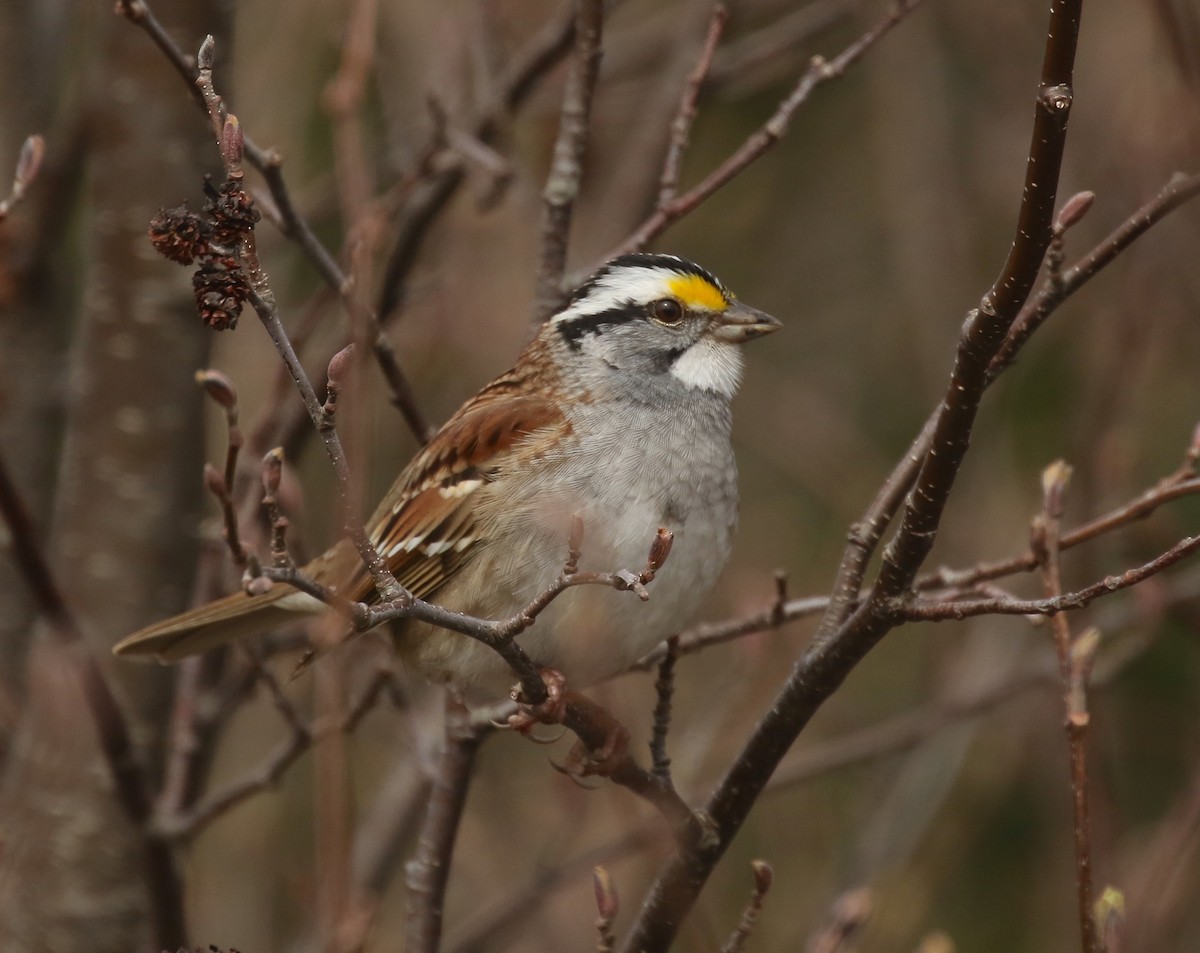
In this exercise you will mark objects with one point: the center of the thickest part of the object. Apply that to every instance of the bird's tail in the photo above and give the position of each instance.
(235, 617)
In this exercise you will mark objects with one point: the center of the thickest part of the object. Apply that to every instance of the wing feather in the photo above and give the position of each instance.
(426, 526)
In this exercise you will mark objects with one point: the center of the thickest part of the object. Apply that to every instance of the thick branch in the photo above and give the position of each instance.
(112, 730)
(429, 869)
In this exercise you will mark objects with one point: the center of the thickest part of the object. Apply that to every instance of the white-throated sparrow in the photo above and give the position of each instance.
(617, 411)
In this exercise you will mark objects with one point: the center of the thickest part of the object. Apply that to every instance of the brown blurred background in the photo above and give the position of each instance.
(870, 230)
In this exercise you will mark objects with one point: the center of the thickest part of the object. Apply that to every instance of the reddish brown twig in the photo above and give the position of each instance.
(1180, 189)
(934, 610)
(566, 167)
(1173, 487)
(220, 483)
(681, 125)
(762, 884)
(1074, 661)
(819, 71)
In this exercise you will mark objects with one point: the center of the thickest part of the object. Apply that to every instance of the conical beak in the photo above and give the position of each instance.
(739, 323)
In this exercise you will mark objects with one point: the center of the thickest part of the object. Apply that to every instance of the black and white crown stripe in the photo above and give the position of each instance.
(622, 290)
(631, 279)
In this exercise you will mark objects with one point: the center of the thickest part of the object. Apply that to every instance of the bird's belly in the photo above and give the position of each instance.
(589, 632)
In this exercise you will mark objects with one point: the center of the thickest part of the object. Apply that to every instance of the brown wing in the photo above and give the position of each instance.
(426, 525)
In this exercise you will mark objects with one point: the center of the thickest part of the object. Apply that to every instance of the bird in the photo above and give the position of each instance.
(616, 419)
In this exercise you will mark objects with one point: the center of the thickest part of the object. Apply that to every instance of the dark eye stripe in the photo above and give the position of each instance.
(576, 328)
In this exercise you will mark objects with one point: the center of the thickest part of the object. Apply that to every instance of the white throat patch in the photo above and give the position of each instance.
(710, 365)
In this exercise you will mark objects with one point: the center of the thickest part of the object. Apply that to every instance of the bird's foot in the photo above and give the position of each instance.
(603, 744)
(552, 711)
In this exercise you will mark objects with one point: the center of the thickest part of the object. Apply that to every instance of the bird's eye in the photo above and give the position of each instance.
(667, 311)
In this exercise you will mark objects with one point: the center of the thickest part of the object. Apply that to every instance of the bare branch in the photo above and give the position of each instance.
(1074, 661)
(566, 167)
(428, 871)
(1175, 193)
(827, 663)
(762, 883)
(220, 388)
(112, 730)
(819, 71)
(681, 126)
(933, 610)
(295, 227)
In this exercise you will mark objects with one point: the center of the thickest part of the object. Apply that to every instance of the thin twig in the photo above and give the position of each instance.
(1074, 660)
(1180, 189)
(433, 193)
(762, 883)
(385, 582)
(819, 71)
(186, 826)
(934, 610)
(681, 125)
(566, 166)
(220, 483)
(270, 164)
(664, 688)
(1173, 487)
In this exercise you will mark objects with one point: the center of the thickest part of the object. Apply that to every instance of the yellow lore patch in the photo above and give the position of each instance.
(697, 292)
